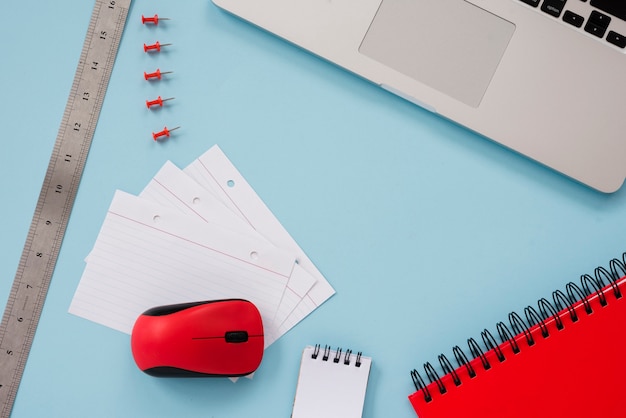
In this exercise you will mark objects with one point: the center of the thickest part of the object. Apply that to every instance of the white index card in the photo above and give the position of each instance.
(147, 256)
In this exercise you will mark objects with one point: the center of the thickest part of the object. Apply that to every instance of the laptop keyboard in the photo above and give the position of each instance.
(602, 19)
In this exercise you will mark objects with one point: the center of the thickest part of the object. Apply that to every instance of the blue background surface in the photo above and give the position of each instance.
(428, 232)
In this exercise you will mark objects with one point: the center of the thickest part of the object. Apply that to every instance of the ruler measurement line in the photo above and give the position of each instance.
(58, 193)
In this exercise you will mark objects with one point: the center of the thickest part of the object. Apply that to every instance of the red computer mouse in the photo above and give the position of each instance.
(210, 338)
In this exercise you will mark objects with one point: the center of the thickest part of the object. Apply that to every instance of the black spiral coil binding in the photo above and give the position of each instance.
(347, 356)
(574, 293)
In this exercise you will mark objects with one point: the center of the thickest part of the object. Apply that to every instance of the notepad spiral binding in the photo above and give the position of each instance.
(347, 355)
(574, 293)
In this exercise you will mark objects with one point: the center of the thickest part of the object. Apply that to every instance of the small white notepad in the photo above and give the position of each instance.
(331, 383)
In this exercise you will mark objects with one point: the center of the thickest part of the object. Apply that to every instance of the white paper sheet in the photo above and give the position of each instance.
(147, 256)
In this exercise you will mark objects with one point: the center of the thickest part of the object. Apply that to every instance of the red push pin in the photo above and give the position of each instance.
(154, 19)
(154, 47)
(157, 102)
(164, 132)
(156, 74)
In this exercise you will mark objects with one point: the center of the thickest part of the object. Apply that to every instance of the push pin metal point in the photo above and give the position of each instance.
(154, 47)
(157, 74)
(155, 19)
(157, 102)
(164, 132)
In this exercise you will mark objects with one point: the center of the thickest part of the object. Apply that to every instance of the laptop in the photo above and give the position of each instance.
(545, 78)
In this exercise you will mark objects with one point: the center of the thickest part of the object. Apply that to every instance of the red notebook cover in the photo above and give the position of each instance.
(568, 362)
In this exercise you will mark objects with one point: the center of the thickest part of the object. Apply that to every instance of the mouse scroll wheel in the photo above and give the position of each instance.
(236, 336)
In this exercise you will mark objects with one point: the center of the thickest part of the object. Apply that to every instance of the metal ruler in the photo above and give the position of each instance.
(58, 193)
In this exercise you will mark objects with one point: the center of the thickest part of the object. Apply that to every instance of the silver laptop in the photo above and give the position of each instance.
(546, 78)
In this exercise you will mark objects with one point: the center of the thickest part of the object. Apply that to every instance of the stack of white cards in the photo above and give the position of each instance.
(197, 234)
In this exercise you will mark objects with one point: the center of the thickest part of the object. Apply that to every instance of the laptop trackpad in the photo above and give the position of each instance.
(450, 45)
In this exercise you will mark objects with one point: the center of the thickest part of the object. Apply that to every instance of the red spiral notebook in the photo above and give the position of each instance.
(567, 358)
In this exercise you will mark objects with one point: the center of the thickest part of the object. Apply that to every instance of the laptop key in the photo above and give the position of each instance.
(597, 24)
(553, 7)
(616, 39)
(573, 18)
(594, 29)
(600, 19)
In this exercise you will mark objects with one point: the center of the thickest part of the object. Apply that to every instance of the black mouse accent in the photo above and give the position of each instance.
(166, 371)
(236, 336)
(170, 309)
